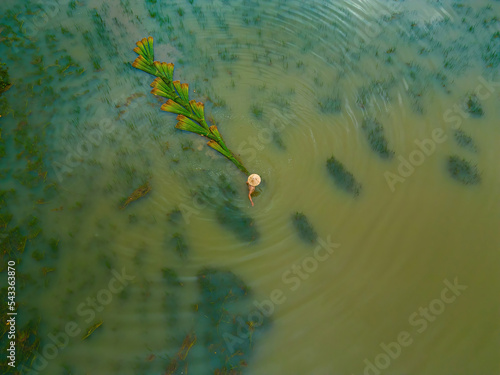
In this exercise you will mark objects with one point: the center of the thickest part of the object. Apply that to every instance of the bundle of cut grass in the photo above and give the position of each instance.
(190, 114)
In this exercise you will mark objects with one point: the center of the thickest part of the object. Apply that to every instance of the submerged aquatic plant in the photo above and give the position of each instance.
(171, 277)
(4, 79)
(190, 114)
(179, 244)
(342, 177)
(463, 171)
(174, 216)
(225, 309)
(278, 141)
(187, 344)
(330, 104)
(375, 133)
(257, 110)
(304, 228)
(234, 219)
(4, 86)
(473, 106)
(464, 140)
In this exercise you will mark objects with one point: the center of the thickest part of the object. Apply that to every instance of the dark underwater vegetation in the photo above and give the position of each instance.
(304, 228)
(343, 179)
(463, 171)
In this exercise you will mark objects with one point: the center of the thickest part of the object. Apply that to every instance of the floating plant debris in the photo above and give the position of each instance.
(180, 357)
(92, 329)
(172, 367)
(304, 228)
(375, 134)
(190, 114)
(46, 270)
(464, 140)
(463, 171)
(187, 344)
(342, 177)
(140, 192)
(130, 99)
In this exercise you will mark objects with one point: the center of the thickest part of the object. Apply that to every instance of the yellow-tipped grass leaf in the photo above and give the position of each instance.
(173, 107)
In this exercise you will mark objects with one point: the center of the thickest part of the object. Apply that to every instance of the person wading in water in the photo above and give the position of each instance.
(252, 182)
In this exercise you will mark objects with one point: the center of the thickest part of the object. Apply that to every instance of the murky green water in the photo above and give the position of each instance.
(391, 269)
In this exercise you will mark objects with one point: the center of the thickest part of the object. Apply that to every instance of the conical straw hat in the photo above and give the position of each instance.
(254, 179)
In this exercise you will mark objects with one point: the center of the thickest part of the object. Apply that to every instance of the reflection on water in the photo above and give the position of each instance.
(373, 241)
